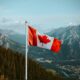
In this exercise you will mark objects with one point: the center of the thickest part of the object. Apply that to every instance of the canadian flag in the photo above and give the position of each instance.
(42, 40)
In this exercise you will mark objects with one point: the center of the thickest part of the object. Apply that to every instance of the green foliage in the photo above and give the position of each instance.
(12, 64)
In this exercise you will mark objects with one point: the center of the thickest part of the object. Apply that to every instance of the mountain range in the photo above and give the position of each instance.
(70, 37)
(12, 40)
(66, 62)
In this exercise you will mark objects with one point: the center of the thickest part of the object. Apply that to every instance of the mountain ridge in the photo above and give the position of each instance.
(70, 37)
(67, 61)
(12, 40)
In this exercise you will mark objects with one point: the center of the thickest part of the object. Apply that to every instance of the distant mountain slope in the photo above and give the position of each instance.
(70, 48)
(67, 61)
(71, 41)
(20, 38)
(12, 40)
(12, 65)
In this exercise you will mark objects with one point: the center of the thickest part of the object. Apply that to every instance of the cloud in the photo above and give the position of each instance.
(17, 25)
(42, 23)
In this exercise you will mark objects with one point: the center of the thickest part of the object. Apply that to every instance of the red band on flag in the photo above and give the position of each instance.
(56, 45)
(32, 38)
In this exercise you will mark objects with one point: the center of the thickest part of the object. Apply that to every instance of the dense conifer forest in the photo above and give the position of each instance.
(36, 72)
(12, 65)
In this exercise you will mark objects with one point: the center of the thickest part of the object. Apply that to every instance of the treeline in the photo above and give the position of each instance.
(12, 65)
(36, 72)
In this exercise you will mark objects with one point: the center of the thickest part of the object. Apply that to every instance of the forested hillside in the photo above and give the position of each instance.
(36, 72)
(12, 65)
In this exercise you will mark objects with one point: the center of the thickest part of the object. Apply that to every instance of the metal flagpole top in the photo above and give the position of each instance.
(26, 22)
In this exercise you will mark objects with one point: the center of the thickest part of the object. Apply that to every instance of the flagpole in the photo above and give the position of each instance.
(26, 32)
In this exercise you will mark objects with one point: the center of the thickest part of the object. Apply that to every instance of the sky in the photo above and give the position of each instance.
(42, 14)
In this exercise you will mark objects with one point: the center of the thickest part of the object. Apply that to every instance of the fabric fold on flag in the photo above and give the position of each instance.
(42, 40)
(32, 38)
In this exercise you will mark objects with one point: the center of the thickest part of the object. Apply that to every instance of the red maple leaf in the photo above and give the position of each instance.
(44, 39)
